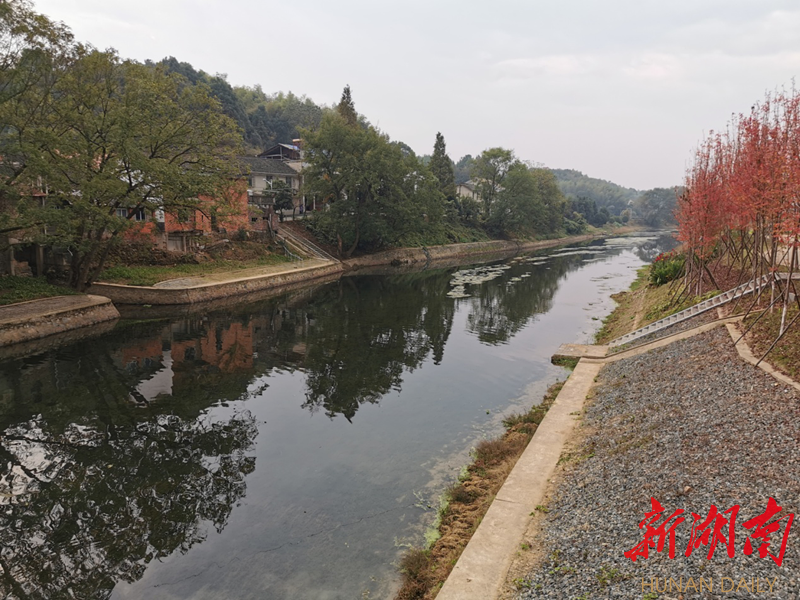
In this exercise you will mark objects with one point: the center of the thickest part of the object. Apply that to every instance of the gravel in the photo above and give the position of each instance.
(692, 425)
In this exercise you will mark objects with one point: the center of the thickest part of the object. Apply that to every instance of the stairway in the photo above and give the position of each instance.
(692, 311)
(309, 248)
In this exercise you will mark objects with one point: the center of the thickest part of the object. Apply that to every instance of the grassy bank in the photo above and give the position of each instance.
(785, 356)
(21, 289)
(152, 274)
(464, 504)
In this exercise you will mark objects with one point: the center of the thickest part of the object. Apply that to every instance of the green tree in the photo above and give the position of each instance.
(463, 169)
(442, 168)
(34, 53)
(119, 140)
(490, 170)
(347, 108)
(378, 195)
(528, 204)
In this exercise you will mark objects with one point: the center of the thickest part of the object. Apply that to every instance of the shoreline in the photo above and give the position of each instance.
(27, 322)
(34, 320)
(542, 546)
(278, 281)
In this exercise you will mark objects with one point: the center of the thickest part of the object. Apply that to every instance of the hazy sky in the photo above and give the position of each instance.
(619, 89)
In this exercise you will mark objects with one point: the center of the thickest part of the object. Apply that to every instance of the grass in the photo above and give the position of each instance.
(786, 353)
(150, 275)
(465, 503)
(15, 289)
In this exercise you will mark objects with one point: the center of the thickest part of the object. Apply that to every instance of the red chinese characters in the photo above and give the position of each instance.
(763, 531)
(661, 532)
(716, 529)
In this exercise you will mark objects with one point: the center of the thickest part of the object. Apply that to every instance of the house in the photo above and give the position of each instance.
(467, 189)
(264, 173)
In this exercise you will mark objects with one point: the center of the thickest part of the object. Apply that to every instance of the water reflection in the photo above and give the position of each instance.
(131, 447)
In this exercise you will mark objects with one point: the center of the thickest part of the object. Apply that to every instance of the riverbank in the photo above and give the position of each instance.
(36, 319)
(644, 433)
(278, 278)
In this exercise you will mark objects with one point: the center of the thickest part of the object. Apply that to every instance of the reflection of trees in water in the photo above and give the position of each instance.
(648, 249)
(499, 308)
(367, 331)
(91, 504)
(102, 471)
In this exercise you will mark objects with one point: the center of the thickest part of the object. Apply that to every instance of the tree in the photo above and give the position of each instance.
(346, 108)
(529, 203)
(377, 194)
(33, 55)
(463, 168)
(119, 140)
(281, 196)
(442, 168)
(489, 170)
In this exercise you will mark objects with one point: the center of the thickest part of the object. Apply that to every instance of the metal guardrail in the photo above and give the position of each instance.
(692, 311)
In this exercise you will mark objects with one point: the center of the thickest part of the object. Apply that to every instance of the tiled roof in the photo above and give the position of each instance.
(266, 166)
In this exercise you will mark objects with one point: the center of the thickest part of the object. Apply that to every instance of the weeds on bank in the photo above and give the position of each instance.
(465, 502)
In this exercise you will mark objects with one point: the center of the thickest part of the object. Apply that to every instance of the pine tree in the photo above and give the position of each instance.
(442, 168)
(346, 108)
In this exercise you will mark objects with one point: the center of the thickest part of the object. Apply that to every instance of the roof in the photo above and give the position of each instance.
(266, 166)
(282, 152)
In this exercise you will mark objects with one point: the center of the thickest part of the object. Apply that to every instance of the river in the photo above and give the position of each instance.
(287, 449)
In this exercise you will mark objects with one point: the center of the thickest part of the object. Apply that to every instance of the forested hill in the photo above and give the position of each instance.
(606, 194)
(264, 119)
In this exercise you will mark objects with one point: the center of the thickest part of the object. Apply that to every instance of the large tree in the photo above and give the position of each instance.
(377, 194)
(442, 168)
(490, 170)
(118, 140)
(33, 55)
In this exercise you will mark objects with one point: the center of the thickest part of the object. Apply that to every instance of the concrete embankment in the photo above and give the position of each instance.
(37, 319)
(435, 254)
(276, 282)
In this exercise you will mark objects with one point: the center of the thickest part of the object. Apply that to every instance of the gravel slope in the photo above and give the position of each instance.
(692, 425)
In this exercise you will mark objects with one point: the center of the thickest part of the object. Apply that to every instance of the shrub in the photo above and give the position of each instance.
(667, 267)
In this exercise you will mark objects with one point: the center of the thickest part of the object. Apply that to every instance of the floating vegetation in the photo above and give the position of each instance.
(474, 276)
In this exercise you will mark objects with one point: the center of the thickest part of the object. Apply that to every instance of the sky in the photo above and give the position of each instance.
(621, 90)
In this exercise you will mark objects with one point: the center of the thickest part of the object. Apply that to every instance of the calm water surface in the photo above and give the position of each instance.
(286, 449)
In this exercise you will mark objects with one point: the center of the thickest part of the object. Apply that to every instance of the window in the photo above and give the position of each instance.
(122, 213)
(289, 181)
(254, 219)
(139, 215)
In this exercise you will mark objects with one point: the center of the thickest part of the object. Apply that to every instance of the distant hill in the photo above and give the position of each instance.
(606, 194)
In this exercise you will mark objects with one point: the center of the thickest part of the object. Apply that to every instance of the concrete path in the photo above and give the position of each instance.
(481, 570)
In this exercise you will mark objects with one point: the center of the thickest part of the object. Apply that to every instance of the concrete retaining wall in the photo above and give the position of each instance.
(500, 248)
(29, 322)
(129, 294)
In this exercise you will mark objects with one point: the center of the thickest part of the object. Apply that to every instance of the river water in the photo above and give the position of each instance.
(286, 449)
